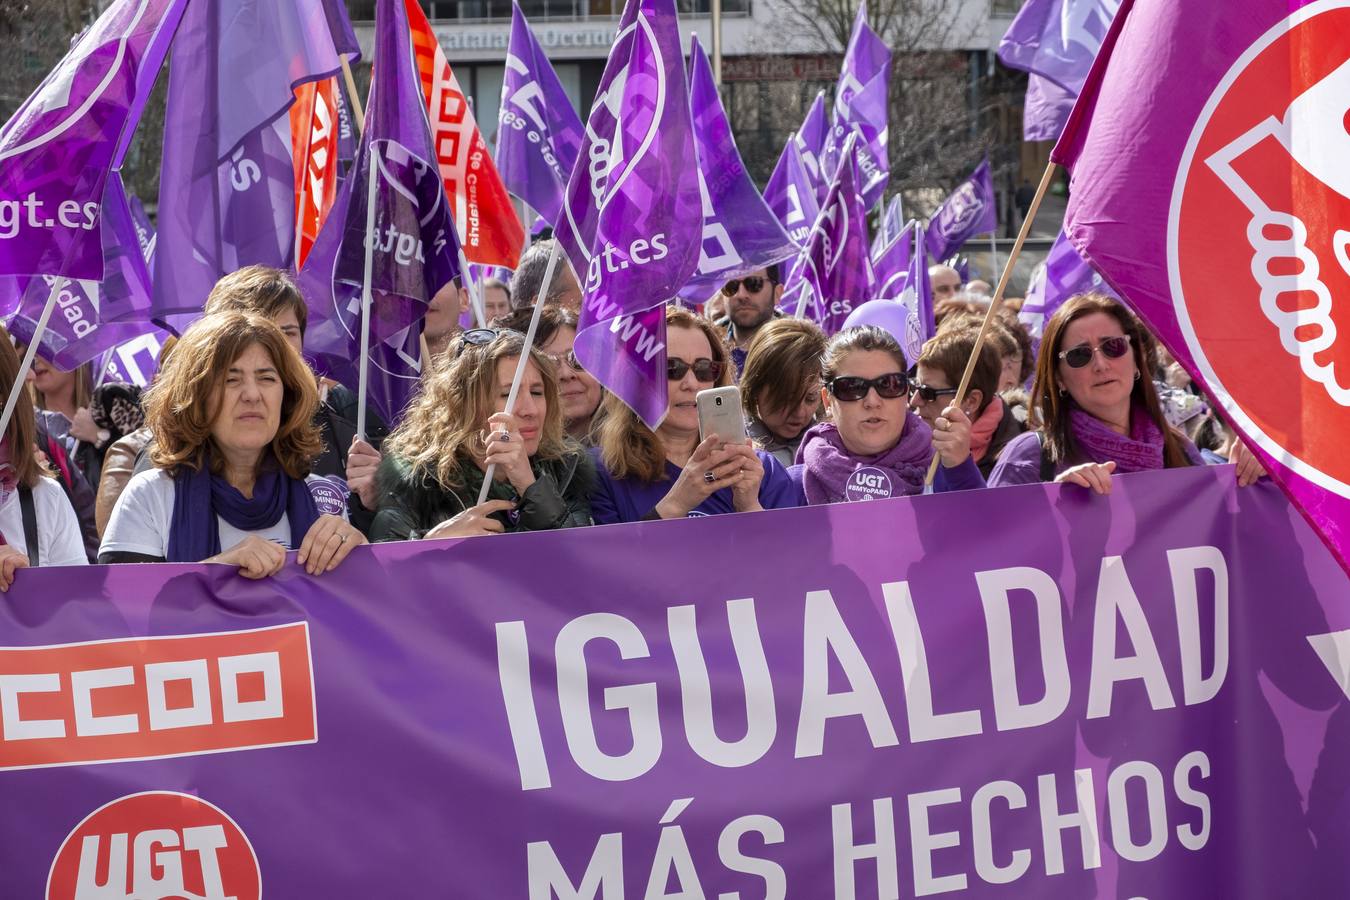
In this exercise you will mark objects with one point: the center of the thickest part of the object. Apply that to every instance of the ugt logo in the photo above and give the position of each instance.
(156, 846)
(1259, 240)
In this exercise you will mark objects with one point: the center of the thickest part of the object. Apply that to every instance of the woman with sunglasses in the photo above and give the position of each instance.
(579, 394)
(873, 445)
(38, 526)
(436, 459)
(669, 473)
(1093, 409)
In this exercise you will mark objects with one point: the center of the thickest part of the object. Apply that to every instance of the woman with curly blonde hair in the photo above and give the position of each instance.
(233, 419)
(435, 461)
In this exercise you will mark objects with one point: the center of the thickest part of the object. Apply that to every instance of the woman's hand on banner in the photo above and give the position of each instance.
(1249, 468)
(1096, 476)
(256, 557)
(327, 543)
(473, 522)
(11, 560)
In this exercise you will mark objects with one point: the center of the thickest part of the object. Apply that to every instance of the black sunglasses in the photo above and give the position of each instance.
(1112, 348)
(476, 337)
(753, 284)
(929, 394)
(705, 370)
(850, 388)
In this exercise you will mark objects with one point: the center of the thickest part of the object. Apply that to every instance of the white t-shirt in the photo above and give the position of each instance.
(59, 540)
(140, 521)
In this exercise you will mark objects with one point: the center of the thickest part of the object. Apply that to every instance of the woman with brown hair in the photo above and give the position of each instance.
(669, 473)
(435, 460)
(1094, 409)
(233, 419)
(38, 526)
(780, 385)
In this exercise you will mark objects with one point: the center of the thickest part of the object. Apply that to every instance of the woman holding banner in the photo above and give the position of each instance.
(873, 446)
(669, 473)
(233, 419)
(435, 460)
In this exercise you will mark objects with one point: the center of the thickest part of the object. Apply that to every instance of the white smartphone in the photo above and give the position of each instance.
(719, 413)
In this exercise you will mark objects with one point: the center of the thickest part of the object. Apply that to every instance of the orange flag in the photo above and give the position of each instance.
(489, 228)
(314, 137)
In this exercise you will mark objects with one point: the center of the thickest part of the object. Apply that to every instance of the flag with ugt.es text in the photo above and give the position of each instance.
(489, 229)
(1223, 216)
(633, 219)
(861, 106)
(57, 150)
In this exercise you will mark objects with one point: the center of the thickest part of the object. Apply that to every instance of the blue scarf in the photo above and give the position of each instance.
(199, 497)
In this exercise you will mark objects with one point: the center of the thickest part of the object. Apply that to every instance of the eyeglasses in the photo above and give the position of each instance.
(476, 337)
(705, 370)
(929, 394)
(1112, 348)
(569, 358)
(850, 388)
(753, 285)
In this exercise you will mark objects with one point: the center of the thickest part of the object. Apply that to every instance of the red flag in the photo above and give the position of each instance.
(314, 148)
(489, 229)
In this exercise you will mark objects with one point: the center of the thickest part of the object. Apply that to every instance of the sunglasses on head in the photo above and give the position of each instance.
(705, 370)
(850, 388)
(1112, 348)
(753, 285)
(929, 394)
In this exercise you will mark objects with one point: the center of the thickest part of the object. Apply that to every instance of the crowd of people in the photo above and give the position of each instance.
(238, 452)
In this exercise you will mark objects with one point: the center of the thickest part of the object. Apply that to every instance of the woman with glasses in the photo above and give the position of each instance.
(985, 422)
(1094, 410)
(873, 446)
(38, 526)
(780, 386)
(579, 394)
(436, 459)
(670, 473)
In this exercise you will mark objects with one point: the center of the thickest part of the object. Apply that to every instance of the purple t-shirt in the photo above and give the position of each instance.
(628, 499)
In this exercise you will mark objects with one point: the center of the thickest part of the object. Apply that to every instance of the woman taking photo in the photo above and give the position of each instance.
(780, 385)
(435, 460)
(873, 446)
(37, 522)
(669, 473)
(1094, 410)
(233, 419)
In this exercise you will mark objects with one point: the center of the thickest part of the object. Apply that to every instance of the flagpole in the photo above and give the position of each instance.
(475, 301)
(362, 380)
(351, 90)
(21, 379)
(1022, 234)
(993, 254)
(524, 356)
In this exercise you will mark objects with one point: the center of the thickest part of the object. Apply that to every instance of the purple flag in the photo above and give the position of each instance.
(633, 218)
(833, 273)
(970, 210)
(861, 106)
(1045, 109)
(57, 150)
(1063, 275)
(810, 140)
(1221, 217)
(91, 316)
(415, 248)
(740, 232)
(227, 182)
(792, 193)
(917, 298)
(538, 131)
(889, 225)
(340, 27)
(891, 263)
(145, 232)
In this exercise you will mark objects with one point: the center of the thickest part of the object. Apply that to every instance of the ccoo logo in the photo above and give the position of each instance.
(156, 846)
(1260, 214)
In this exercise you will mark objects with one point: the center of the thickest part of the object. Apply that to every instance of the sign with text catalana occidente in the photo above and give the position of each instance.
(1029, 692)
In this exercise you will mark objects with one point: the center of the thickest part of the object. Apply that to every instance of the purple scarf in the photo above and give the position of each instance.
(1141, 451)
(199, 497)
(831, 473)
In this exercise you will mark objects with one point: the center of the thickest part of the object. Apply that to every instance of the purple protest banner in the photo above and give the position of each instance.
(741, 234)
(970, 210)
(633, 219)
(413, 244)
(861, 106)
(860, 707)
(57, 150)
(833, 273)
(538, 131)
(791, 193)
(810, 140)
(227, 180)
(1063, 276)
(1221, 218)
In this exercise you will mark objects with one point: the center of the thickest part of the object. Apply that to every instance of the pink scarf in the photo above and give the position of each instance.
(983, 428)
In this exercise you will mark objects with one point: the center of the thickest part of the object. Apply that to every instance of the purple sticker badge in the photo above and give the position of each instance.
(869, 483)
(330, 494)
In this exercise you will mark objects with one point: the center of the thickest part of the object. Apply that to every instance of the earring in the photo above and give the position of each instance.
(1136, 374)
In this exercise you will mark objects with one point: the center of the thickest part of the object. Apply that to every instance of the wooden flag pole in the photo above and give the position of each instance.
(351, 90)
(21, 379)
(1049, 175)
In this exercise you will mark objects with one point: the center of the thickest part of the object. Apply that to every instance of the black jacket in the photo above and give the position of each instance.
(410, 505)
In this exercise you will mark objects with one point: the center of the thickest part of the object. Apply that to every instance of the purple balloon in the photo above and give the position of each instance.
(884, 314)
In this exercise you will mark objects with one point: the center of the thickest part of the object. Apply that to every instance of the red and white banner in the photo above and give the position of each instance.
(314, 147)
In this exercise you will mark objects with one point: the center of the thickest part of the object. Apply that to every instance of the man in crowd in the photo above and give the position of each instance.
(946, 282)
(496, 299)
(442, 318)
(750, 302)
(563, 289)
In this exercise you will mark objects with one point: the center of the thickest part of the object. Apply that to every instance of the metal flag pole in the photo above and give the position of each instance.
(362, 378)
